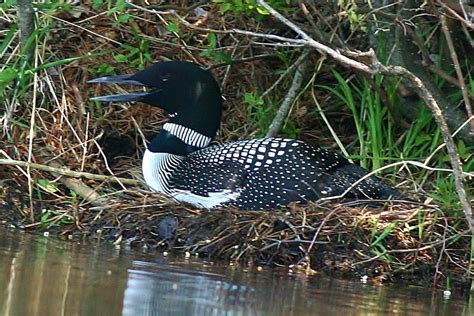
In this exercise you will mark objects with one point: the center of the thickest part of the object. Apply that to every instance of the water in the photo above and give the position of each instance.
(44, 276)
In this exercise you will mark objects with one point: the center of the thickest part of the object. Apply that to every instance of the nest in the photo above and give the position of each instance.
(389, 242)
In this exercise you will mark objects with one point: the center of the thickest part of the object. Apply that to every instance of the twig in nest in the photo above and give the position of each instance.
(68, 172)
(76, 185)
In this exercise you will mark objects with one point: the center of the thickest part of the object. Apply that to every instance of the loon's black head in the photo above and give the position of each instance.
(187, 92)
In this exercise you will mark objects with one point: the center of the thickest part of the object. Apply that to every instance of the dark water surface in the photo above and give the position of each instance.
(44, 276)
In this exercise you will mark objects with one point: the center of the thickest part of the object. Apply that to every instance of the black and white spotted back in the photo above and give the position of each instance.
(271, 172)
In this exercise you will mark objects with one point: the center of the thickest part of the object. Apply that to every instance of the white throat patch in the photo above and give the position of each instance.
(157, 170)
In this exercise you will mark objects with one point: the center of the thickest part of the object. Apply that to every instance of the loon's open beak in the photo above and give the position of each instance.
(132, 96)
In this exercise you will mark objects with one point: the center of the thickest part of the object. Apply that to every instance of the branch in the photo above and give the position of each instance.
(308, 41)
(425, 94)
(282, 113)
(457, 67)
(68, 172)
(26, 22)
(467, 23)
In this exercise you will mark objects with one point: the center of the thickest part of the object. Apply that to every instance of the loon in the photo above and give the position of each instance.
(257, 174)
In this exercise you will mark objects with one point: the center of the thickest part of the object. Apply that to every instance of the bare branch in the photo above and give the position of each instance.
(26, 20)
(68, 172)
(282, 113)
(457, 67)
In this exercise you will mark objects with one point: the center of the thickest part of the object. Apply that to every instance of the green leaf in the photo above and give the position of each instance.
(172, 28)
(7, 76)
(462, 150)
(47, 186)
(45, 216)
(205, 53)
(104, 69)
(252, 99)
(121, 5)
(262, 11)
(19, 123)
(124, 18)
(212, 39)
(96, 4)
(121, 58)
(225, 7)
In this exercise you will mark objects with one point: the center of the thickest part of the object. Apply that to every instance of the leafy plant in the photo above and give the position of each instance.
(257, 112)
(136, 57)
(262, 114)
(355, 19)
(103, 69)
(213, 52)
(51, 218)
(46, 185)
(377, 245)
(250, 7)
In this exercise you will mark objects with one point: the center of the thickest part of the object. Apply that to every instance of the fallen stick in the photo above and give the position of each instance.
(68, 172)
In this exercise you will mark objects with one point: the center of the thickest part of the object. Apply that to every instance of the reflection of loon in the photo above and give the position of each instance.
(255, 174)
(177, 291)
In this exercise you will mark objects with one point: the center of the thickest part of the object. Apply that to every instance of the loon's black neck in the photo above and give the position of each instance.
(165, 142)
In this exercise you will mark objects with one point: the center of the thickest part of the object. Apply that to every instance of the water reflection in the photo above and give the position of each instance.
(169, 291)
(43, 276)
(46, 277)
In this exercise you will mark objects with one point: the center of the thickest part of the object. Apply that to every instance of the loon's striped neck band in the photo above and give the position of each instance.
(187, 135)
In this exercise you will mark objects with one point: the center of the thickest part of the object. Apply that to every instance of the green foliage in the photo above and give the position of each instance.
(377, 245)
(257, 112)
(47, 186)
(172, 27)
(116, 8)
(378, 142)
(261, 115)
(7, 4)
(103, 70)
(445, 194)
(135, 57)
(121, 19)
(213, 52)
(17, 73)
(96, 4)
(51, 218)
(422, 137)
(356, 20)
(345, 95)
(378, 238)
(250, 7)
(6, 77)
(8, 36)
